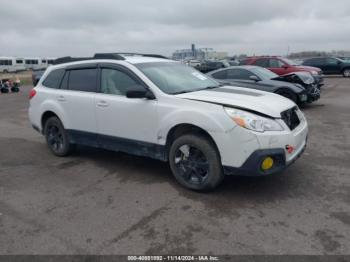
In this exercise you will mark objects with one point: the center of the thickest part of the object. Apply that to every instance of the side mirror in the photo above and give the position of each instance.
(255, 78)
(140, 92)
(285, 66)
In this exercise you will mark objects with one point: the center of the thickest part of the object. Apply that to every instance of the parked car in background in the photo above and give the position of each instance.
(192, 62)
(208, 65)
(36, 75)
(283, 66)
(345, 58)
(256, 77)
(233, 62)
(175, 114)
(330, 65)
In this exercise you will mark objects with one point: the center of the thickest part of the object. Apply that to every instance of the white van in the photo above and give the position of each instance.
(11, 64)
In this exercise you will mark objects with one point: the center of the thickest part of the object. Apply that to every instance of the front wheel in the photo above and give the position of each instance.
(346, 72)
(195, 163)
(56, 137)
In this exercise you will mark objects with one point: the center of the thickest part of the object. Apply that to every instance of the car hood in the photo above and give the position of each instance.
(268, 85)
(253, 100)
(304, 77)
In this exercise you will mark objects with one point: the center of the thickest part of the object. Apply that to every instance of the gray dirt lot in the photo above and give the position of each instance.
(100, 202)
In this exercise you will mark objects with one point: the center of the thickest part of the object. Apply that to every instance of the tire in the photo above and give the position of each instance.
(56, 137)
(4, 90)
(5, 71)
(288, 94)
(346, 72)
(201, 168)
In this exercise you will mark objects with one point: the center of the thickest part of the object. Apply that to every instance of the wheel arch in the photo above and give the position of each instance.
(185, 128)
(45, 116)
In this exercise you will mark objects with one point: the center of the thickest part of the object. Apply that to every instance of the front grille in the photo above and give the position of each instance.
(290, 117)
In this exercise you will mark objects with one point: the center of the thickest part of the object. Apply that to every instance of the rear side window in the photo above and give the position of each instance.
(238, 74)
(220, 75)
(264, 62)
(276, 63)
(54, 78)
(83, 80)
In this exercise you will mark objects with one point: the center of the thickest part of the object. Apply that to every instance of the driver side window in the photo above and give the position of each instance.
(275, 63)
(238, 74)
(116, 82)
(331, 61)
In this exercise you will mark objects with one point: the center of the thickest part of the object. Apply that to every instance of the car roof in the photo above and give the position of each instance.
(143, 59)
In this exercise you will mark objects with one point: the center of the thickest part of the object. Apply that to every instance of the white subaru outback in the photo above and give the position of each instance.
(150, 106)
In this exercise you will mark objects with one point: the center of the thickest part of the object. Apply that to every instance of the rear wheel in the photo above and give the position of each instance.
(195, 163)
(288, 94)
(56, 137)
(346, 72)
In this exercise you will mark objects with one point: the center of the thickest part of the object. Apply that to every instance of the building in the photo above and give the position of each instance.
(199, 54)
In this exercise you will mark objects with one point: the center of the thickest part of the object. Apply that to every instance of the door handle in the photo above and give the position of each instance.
(102, 104)
(61, 98)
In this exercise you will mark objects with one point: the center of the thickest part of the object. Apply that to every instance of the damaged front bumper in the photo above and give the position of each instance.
(313, 93)
(253, 165)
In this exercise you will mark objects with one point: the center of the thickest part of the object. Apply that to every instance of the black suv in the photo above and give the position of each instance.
(208, 66)
(330, 65)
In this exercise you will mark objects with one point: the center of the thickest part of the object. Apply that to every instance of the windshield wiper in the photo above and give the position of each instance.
(211, 87)
(182, 92)
(195, 90)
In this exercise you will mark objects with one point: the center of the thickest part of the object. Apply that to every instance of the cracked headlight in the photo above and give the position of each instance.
(252, 121)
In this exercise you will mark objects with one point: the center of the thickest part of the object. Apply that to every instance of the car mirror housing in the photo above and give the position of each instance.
(255, 78)
(140, 92)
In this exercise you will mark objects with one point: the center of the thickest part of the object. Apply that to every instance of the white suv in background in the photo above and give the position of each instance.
(151, 106)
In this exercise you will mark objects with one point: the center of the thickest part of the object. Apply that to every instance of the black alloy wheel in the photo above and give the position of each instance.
(195, 162)
(56, 137)
(191, 164)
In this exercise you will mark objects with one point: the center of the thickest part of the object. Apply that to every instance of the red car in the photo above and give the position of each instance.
(283, 66)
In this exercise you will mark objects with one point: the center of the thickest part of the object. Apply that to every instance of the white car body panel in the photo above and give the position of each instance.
(127, 118)
(151, 120)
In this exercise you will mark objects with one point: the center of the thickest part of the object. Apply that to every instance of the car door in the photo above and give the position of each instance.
(126, 124)
(331, 66)
(77, 100)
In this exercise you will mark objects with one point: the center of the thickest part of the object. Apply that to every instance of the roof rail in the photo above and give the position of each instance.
(67, 59)
(112, 56)
(133, 54)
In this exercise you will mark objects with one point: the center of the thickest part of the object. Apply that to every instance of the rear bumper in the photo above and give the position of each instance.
(252, 166)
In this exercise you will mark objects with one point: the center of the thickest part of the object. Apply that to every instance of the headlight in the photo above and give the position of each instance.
(252, 121)
(315, 73)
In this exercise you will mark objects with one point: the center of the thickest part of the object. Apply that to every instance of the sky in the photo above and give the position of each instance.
(83, 27)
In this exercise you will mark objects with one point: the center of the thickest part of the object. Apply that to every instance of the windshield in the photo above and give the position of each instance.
(290, 62)
(176, 78)
(263, 73)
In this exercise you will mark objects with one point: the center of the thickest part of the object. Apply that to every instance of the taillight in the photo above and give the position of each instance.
(32, 93)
